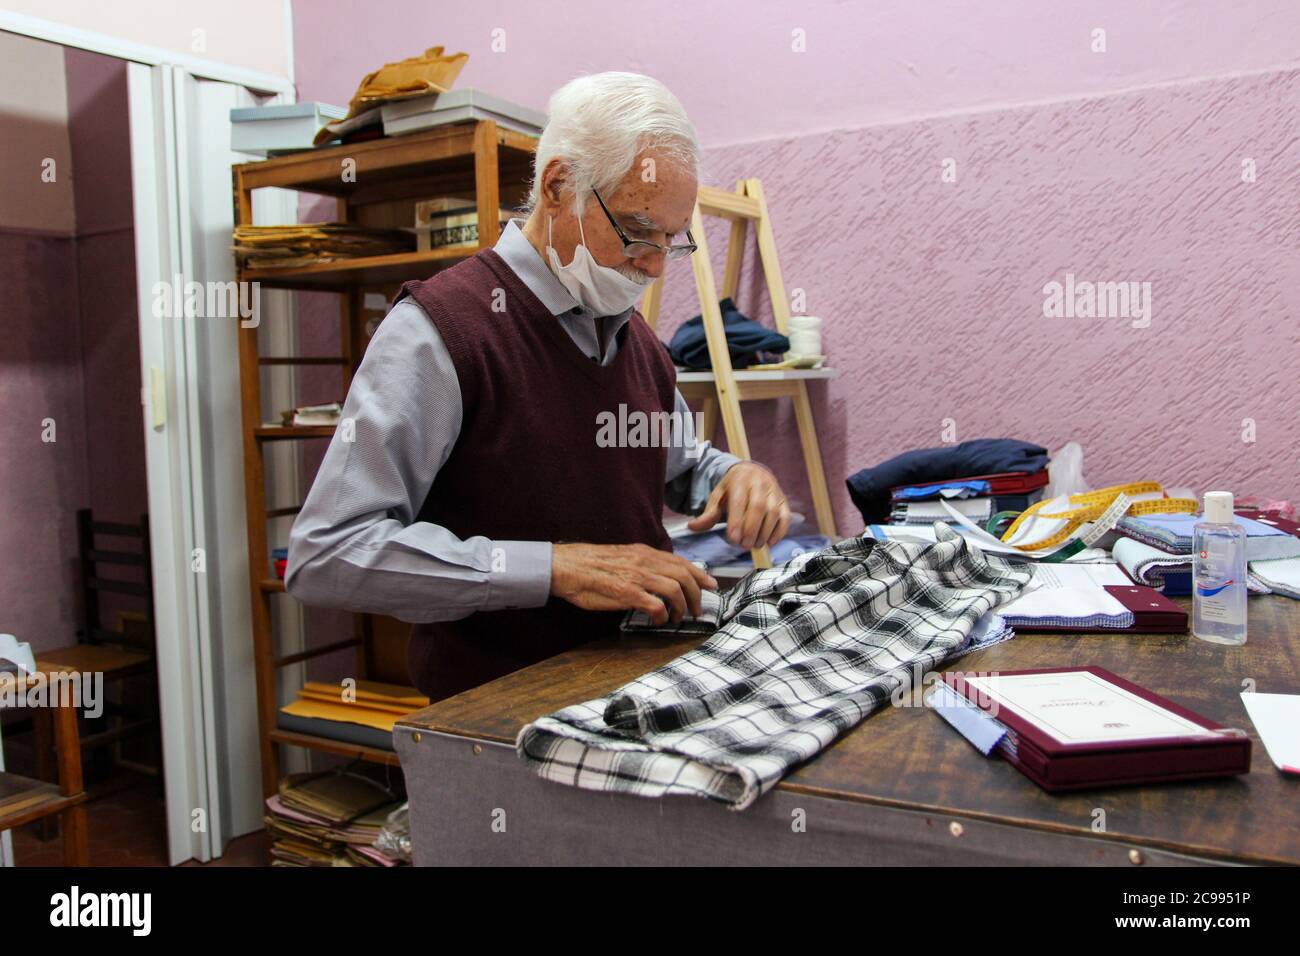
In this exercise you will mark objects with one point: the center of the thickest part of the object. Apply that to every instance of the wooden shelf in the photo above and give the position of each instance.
(284, 432)
(439, 161)
(770, 383)
(341, 274)
(479, 160)
(340, 747)
(768, 375)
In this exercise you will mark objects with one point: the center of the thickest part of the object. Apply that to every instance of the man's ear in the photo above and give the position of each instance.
(555, 182)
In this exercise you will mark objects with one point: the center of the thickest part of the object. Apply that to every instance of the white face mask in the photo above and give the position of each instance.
(600, 289)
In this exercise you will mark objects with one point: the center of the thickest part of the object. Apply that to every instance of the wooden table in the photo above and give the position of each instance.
(901, 787)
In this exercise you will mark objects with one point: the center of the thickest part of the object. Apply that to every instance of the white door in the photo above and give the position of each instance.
(181, 158)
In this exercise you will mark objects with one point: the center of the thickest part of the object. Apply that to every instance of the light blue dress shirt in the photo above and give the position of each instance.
(356, 544)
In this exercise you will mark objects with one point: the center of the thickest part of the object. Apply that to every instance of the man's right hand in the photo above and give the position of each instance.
(618, 577)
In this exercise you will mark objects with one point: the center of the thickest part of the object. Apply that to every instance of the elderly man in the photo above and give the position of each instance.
(476, 498)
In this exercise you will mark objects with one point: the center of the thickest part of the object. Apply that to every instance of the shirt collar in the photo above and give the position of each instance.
(525, 262)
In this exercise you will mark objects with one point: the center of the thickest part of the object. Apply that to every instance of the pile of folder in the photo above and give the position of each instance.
(333, 818)
(978, 498)
(363, 713)
(286, 246)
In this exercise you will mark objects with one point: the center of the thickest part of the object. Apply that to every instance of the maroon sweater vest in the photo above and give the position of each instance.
(527, 465)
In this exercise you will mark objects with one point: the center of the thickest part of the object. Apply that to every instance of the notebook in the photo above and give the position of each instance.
(1078, 728)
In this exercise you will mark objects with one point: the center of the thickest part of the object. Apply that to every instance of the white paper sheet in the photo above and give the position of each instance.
(1078, 707)
(1277, 719)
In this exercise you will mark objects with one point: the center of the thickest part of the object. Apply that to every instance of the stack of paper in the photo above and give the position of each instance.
(928, 512)
(331, 818)
(286, 246)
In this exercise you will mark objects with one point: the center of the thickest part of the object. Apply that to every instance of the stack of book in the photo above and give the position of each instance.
(978, 498)
(332, 818)
(449, 222)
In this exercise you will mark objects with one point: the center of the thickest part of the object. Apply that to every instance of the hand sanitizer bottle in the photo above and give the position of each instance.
(1219, 573)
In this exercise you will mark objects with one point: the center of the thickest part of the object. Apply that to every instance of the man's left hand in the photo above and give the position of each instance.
(755, 506)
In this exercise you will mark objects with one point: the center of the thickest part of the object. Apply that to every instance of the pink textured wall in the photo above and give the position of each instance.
(1123, 165)
(732, 64)
(932, 297)
(101, 156)
(42, 483)
(70, 353)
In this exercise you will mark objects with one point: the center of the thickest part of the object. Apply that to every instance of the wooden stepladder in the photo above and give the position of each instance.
(723, 389)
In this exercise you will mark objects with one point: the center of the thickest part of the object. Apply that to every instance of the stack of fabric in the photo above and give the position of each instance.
(747, 340)
(978, 478)
(1156, 550)
(332, 819)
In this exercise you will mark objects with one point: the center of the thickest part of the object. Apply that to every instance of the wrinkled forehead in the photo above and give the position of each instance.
(658, 195)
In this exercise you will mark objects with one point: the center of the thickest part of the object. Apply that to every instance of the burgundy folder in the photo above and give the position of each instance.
(1003, 483)
(1057, 767)
(1153, 613)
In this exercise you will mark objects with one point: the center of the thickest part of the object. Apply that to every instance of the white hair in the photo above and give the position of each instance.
(600, 123)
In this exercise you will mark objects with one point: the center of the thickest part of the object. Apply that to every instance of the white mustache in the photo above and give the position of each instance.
(630, 271)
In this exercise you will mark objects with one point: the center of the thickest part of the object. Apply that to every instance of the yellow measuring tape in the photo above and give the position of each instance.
(1090, 505)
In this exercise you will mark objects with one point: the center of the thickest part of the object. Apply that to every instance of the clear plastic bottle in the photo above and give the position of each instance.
(1219, 573)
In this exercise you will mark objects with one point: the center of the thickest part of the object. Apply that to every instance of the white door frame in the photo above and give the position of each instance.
(179, 601)
(180, 160)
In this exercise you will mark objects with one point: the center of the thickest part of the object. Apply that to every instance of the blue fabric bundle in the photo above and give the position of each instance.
(745, 337)
(869, 488)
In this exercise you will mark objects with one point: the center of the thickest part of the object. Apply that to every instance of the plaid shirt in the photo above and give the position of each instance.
(805, 651)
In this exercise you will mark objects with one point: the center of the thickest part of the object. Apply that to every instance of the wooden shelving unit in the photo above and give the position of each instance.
(375, 183)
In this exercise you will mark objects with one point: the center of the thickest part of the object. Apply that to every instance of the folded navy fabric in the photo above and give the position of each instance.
(869, 488)
(745, 337)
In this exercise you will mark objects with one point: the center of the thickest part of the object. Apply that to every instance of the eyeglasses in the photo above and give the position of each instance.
(635, 248)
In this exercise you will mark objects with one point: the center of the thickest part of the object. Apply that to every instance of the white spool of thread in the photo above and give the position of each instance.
(805, 335)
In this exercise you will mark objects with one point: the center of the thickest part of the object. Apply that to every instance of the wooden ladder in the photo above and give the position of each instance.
(725, 388)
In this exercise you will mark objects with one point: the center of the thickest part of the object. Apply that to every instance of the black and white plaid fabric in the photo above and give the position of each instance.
(806, 650)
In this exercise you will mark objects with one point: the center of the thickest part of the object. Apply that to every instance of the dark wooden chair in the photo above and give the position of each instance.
(125, 655)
